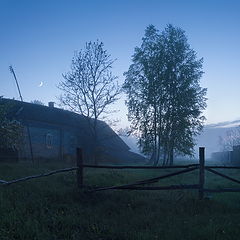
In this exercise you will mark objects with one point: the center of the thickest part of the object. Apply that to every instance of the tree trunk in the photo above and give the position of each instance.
(95, 142)
(151, 160)
(155, 135)
(171, 157)
(165, 156)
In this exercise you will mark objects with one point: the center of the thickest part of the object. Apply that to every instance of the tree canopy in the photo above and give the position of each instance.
(10, 130)
(38, 102)
(164, 97)
(89, 88)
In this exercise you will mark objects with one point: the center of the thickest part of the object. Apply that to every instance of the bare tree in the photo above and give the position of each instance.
(124, 132)
(89, 88)
(231, 139)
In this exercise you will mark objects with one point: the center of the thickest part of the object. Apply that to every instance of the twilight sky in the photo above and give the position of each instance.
(39, 37)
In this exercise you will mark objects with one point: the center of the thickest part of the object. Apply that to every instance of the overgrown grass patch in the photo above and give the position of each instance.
(54, 208)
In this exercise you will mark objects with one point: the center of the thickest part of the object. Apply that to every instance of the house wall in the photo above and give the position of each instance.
(222, 157)
(228, 157)
(40, 148)
(53, 142)
(236, 155)
(56, 133)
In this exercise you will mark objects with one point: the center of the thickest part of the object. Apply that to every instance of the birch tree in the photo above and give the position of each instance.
(164, 97)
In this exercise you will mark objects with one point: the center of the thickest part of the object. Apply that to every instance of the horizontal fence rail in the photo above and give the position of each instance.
(222, 175)
(223, 167)
(3, 182)
(131, 187)
(146, 181)
(137, 185)
(139, 167)
(220, 190)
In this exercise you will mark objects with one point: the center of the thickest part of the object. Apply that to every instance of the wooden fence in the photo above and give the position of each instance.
(139, 185)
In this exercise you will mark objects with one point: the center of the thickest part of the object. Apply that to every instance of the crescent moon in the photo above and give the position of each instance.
(40, 84)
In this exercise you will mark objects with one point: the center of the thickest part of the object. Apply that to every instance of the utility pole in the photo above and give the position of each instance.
(28, 130)
(14, 75)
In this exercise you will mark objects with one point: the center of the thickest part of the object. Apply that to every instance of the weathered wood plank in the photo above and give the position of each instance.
(2, 181)
(171, 187)
(219, 190)
(222, 175)
(139, 167)
(201, 172)
(79, 156)
(150, 180)
(39, 175)
(223, 167)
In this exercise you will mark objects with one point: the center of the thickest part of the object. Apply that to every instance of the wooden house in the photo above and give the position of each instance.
(54, 134)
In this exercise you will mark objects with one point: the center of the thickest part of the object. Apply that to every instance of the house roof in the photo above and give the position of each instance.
(41, 113)
(33, 112)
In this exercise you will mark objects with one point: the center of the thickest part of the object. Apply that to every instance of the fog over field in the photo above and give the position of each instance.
(209, 138)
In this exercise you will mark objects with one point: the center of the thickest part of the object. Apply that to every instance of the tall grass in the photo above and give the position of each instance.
(53, 208)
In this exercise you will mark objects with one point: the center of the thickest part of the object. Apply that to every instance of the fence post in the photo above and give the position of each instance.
(201, 172)
(80, 167)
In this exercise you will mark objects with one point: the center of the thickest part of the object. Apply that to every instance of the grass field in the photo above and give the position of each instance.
(53, 208)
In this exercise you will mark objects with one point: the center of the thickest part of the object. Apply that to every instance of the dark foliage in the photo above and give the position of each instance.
(164, 97)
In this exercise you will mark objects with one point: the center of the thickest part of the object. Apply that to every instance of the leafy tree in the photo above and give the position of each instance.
(11, 131)
(142, 85)
(165, 100)
(89, 88)
(38, 102)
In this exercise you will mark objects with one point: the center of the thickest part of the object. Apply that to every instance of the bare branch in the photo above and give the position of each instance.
(90, 87)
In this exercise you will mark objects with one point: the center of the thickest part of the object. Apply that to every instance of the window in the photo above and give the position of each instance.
(49, 140)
